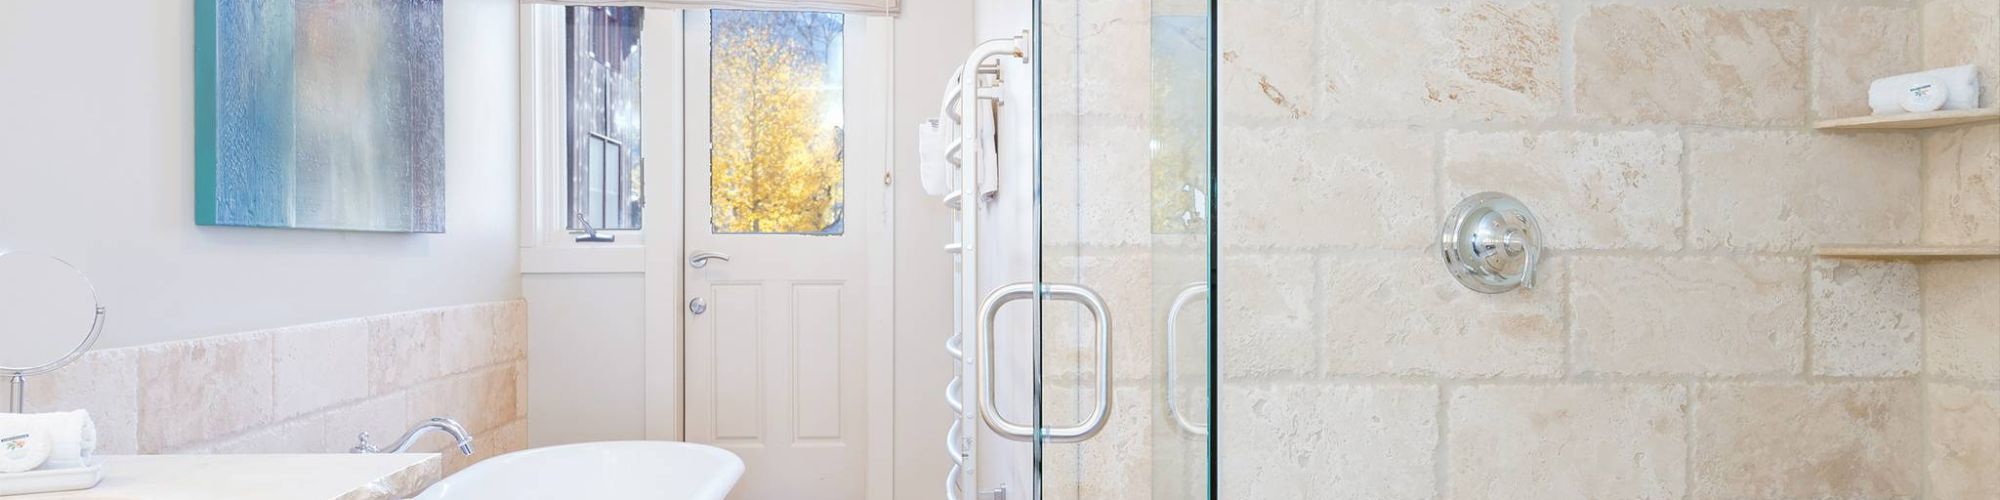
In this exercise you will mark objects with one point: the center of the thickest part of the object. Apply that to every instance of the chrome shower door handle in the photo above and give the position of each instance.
(1187, 296)
(989, 409)
(700, 259)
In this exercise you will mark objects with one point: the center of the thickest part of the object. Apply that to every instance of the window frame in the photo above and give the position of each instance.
(548, 244)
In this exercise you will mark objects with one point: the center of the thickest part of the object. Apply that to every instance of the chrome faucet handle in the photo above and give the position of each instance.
(362, 446)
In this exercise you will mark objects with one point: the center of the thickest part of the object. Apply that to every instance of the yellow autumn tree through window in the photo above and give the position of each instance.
(775, 122)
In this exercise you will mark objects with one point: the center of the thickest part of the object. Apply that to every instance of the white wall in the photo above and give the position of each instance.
(97, 166)
(932, 37)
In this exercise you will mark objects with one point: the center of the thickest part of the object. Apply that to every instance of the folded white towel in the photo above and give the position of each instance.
(1961, 88)
(934, 140)
(989, 149)
(71, 434)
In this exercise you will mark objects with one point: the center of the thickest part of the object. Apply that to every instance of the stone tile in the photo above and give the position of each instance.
(1867, 319)
(106, 383)
(471, 337)
(521, 389)
(1117, 463)
(404, 349)
(1959, 32)
(1329, 441)
(1100, 196)
(1962, 319)
(1598, 191)
(300, 435)
(1962, 186)
(1425, 62)
(1125, 282)
(1787, 191)
(1267, 324)
(506, 439)
(480, 400)
(1304, 187)
(1617, 441)
(384, 418)
(1688, 315)
(512, 322)
(203, 389)
(1114, 59)
(1694, 64)
(1402, 314)
(1854, 45)
(319, 365)
(1789, 440)
(1964, 442)
(1266, 68)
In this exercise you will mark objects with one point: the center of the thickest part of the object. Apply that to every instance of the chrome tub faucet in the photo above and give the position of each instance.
(446, 425)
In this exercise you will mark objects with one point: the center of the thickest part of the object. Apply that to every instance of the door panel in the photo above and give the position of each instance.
(1124, 170)
(776, 349)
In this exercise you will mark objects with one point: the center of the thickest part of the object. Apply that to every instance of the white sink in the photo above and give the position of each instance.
(612, 470)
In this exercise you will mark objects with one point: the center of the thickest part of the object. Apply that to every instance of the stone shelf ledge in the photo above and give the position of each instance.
(1907, 252)
(1911, 121)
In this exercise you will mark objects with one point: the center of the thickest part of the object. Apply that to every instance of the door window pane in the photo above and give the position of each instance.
(605, 180)
(776, 157)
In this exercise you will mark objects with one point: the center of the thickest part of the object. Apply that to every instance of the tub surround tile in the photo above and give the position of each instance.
(104, 382)
(1708, 316)
(1964, 442)
(1962, 186)
(1618, 190)
(1778, 191)
(1308, 186)
(203, 389)
(1329, 441)
(299, 389)
(404, 349)
(1867, 319)
(318, 366)
(1961, 303)
(1406, 316)
(1713, 64)
(1852, 46)
(1619, 441)
(1805, 440)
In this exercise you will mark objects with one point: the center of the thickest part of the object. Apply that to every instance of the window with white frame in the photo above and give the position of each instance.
(604, 143)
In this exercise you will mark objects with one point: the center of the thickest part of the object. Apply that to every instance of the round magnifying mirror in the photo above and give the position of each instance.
(48, 313)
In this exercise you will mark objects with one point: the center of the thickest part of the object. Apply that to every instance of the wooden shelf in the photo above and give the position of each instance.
(1911, 121)
(1905, 252)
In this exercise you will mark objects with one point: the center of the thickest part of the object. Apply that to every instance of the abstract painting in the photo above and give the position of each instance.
(320, 114)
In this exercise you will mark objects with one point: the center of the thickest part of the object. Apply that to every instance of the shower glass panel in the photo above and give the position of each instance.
(1125, 174)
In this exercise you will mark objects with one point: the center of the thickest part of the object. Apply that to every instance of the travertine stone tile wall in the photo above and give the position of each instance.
(1683, 342)
(309, 388)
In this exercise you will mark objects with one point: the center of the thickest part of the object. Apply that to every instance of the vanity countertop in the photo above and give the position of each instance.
(275, 477)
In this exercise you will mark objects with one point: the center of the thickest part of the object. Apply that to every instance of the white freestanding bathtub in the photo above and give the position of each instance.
(612, 470)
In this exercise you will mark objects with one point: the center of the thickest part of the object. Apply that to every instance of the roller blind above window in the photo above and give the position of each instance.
(888, 7)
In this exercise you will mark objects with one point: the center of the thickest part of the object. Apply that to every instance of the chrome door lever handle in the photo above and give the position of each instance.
(700, 259)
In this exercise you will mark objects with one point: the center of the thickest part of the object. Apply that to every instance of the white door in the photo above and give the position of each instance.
(783, 177)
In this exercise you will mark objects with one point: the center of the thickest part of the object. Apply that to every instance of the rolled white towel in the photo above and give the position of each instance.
(72, 437)
(1961, 89)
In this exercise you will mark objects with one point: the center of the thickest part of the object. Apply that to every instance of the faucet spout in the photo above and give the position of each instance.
(409, 439)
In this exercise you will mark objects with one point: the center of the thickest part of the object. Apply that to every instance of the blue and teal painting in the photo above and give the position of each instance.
(320, 114)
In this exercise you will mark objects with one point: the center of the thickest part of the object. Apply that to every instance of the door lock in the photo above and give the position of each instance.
(697, 306)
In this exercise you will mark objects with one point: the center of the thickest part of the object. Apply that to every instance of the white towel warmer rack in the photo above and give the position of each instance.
(965, 234)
